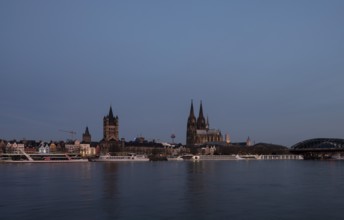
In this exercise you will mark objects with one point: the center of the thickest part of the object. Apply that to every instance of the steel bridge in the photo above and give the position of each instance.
(319, 148)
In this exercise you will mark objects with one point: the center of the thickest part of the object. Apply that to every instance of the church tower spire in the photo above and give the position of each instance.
(201, 120)
(87, 131)
(111, 118)
(191, 127)
(200, 110)
(86, 137)
(192, 114)
(110, 126)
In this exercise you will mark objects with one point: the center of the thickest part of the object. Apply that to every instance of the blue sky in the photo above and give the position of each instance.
(271, 70)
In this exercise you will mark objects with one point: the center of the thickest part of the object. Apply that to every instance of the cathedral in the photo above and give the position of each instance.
(110, 127)
(198, 131)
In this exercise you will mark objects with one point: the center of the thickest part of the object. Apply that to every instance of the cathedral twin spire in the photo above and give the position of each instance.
(198, 131)
(201, 122)
(192, 114)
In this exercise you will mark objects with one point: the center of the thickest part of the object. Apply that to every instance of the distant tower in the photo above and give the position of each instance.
(173, 136)
(228, 139)
(86, 137)
(248, 142)
(191, 127)
(201, 120)
(110, 127)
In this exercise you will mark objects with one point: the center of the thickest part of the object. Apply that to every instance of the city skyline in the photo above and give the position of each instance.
(265, 69)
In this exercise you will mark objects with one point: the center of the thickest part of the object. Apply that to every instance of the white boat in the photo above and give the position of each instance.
(190, 157)
(247, 157)
(281, 157)
(132, 157)
(179, 158)
(218, 157)
(337, 157)
(22, 157)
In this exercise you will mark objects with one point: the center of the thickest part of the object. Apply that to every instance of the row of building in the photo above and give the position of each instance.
(198, 130)
(31, 146)
(198, 134)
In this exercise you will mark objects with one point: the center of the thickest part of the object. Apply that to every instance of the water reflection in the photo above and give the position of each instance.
(110, 192)
(198, 188)
(173, 190)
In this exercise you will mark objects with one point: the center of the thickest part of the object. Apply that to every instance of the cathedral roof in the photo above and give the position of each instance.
(208, 132)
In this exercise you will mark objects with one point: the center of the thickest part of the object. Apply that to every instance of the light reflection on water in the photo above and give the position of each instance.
(170, 190)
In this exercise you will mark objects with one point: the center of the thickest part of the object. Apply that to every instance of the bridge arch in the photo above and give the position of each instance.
(319, 148)
(320, 144)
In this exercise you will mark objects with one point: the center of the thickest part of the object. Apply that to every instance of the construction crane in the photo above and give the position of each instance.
(72, 133)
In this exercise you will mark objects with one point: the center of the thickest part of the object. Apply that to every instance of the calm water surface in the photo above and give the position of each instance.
(173, 190)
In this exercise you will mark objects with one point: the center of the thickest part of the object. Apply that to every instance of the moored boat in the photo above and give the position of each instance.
(247, 157)
(190, 157)
(22, 157)
(175, 158)
(218, 157)
(130, 157)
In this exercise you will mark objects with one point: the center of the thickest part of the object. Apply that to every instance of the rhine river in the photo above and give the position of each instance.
(173, 190)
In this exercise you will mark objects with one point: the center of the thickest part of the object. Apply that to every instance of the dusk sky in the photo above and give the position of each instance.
(271, 70)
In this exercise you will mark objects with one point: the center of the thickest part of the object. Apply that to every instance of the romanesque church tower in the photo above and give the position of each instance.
(86, 137)
(110, 127)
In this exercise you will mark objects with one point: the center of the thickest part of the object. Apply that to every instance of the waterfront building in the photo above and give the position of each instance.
(2, 146)
(52, 147)
(87, 150)
(208, 150)
(198, 130)
(44, 148)
(14, 147)
(73, 147)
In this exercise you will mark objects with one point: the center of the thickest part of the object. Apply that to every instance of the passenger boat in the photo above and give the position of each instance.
(337, 157)
(175, 158)
(218, 157)
(190, 157)
(130, 157)
(22, 157)
(281, 157)
(247, 157)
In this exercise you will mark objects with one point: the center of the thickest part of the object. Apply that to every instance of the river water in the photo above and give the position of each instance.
(173, 190)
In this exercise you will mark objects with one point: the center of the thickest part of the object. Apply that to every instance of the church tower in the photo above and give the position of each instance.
(201, 125)
(191, 127)
(86, 137)
(110, 127)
